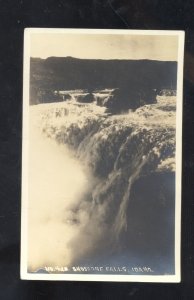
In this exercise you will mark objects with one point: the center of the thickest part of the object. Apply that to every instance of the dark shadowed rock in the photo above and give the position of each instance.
(122, 100)
(88, 98)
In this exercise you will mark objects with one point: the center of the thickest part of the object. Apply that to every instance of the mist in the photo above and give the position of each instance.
(57, 183)
(85, 174)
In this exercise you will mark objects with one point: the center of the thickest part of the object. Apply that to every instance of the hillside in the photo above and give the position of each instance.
(68, 73)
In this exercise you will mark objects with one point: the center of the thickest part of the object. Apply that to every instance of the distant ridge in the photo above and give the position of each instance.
(67, 73)
(97, 59)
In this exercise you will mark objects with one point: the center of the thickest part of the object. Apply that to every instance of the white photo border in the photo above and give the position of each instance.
(25, 147)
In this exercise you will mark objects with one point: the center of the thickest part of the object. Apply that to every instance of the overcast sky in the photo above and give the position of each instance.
(104, 46)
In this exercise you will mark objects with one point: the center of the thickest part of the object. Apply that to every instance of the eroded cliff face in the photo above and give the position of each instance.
(130, 163)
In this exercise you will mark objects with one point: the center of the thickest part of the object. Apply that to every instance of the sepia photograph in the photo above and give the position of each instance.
(101, 155)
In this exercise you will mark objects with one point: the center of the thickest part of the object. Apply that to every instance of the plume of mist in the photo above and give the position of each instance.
(78, 198)
(57, 183)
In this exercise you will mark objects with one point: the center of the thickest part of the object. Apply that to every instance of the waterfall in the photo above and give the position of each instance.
(93, 161)
(121, 218)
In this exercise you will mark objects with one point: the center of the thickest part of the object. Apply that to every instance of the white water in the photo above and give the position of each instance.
(71, 214)
(56, 184)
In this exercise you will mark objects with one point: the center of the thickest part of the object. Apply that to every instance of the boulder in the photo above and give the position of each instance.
(86, 98)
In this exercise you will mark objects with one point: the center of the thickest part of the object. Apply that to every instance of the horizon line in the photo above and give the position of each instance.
(106, 59)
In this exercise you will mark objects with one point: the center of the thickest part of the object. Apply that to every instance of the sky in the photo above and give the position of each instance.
(104, 46)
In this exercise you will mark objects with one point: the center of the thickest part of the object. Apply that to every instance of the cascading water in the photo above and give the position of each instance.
(111, 154)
